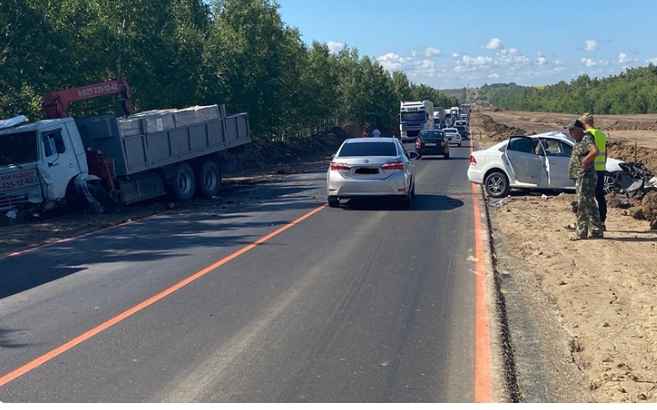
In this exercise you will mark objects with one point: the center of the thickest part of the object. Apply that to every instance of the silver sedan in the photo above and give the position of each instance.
(371, 167)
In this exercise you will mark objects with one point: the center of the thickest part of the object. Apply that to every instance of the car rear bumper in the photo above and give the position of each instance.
(475, 175)
(352, 188)
(431, 151)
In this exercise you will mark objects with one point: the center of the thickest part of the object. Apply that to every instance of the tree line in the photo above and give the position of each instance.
(179, 53)
(633, 91)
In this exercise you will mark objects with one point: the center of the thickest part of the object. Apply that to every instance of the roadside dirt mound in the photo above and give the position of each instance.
(495, 130)
(617, 125)
(649, 209)
(630, 153)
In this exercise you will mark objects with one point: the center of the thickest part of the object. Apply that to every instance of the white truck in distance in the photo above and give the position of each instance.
(455, 111)
(414, 116)
(439, 117)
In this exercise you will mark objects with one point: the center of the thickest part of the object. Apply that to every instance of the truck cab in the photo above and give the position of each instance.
(38, 162)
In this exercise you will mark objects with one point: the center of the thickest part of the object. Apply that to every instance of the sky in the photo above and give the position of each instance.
(471, 43)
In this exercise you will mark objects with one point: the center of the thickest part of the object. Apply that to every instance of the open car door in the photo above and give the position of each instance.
(527, 166)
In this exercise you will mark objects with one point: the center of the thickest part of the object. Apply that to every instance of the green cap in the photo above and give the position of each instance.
(574, 124)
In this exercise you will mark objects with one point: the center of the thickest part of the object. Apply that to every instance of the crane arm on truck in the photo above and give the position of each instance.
(56, 103)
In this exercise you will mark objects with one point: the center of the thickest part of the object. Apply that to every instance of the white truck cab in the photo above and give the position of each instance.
(38, 161)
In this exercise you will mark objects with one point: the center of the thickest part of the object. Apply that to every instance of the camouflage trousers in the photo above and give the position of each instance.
(588, 215)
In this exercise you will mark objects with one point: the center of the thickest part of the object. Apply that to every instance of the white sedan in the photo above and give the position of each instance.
(528, 162)
(453, 136)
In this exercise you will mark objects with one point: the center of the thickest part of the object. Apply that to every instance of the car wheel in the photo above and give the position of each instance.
(496, 185)
(333, 201)
(611, 181)
(460, 144)
(406, 200)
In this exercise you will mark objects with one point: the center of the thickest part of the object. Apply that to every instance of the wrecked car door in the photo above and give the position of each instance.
(557, 156)
(527, 166)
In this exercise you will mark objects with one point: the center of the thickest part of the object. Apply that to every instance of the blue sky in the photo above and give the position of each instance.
(469, 43)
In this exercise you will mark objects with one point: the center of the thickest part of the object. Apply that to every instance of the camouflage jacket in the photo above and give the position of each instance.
(580, 150)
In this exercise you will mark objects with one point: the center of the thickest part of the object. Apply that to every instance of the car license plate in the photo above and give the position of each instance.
(367, 171)
(430, 144)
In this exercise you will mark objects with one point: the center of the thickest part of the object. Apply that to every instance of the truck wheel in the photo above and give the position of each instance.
(208, 179)
(184, 183)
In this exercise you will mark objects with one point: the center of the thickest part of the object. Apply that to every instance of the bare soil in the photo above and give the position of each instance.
(602, 290)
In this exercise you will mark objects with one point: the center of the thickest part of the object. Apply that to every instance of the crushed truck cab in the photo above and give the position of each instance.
(38, 161)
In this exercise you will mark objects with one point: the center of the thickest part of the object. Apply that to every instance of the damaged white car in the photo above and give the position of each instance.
(537, 161)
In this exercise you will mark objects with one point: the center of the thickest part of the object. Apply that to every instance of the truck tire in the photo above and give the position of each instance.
(184, 183)
(208, 179)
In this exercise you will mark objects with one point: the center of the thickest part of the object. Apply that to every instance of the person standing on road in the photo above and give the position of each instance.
(376, 133)
(580, 168)
(600, 165)
(364, 133)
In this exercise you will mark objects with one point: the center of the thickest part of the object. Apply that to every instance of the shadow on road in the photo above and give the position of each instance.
(421, 202)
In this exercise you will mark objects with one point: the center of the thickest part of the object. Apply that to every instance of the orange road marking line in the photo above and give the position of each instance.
(104, 326)
(483, 383)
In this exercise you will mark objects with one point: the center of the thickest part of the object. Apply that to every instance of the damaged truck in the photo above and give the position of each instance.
(105, 160)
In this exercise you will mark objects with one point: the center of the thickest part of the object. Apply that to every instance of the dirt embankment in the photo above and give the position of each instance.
(496, 131)
(600, 292)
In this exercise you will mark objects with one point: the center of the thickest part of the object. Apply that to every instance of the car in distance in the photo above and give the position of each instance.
(463, 130)
(371, 167)
(432, 142)
(453, 136)
(537, 161)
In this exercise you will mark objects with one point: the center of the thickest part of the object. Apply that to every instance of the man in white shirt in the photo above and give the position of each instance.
(376, 133)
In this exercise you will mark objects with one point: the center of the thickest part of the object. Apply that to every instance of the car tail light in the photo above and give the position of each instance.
(339, 166)
(442, 143)
(397, 165)
(473, 161)
(418, 144)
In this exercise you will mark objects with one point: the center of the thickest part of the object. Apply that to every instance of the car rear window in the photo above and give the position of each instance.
(431, 135)
(368, 149)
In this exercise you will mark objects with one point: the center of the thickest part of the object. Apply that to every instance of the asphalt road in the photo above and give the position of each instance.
(365, 303)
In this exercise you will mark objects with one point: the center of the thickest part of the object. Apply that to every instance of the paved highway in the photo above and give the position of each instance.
(280, 300)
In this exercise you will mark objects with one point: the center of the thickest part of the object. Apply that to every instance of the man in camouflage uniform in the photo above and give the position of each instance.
(581, 170)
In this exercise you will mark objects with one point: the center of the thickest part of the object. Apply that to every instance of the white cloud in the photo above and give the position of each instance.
(541, 60)
(392, 61)
(431, 52)
(493, 75)
(591, 45)
(512, 58)
(624, 58)
(652, 60)
(493, 44)
(455, 55)
(335, 47)
(588, 62)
